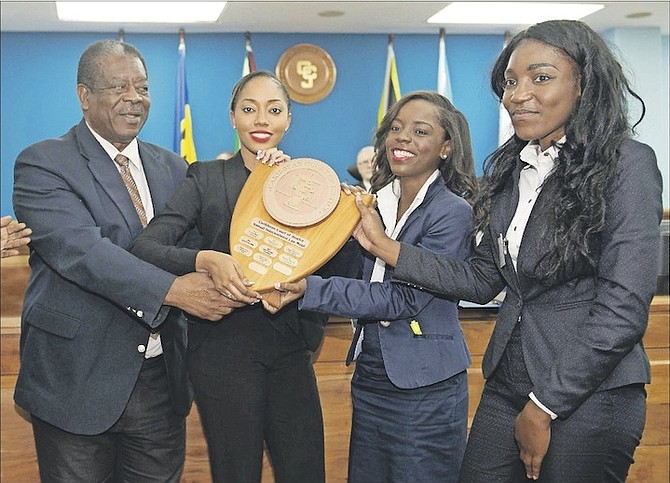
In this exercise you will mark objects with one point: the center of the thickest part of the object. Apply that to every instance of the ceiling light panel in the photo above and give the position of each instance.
(130, 12)
(511, 13)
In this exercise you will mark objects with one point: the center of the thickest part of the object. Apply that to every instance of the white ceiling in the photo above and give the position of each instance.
(304, 17)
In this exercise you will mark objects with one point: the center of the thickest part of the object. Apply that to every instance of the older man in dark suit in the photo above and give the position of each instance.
(102, 340)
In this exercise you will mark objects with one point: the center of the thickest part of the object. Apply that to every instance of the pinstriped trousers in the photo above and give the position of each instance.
(595, 444)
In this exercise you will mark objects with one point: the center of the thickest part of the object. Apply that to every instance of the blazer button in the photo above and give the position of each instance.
(384, 323)
(140, 314)
(141, 348)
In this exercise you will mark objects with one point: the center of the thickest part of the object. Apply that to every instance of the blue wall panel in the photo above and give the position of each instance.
(39, 99)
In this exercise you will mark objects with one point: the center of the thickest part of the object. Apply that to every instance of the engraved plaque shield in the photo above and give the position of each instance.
(289, 220)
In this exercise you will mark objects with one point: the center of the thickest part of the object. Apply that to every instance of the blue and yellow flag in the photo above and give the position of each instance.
(184, 144)
(248, 66)
(391, 89)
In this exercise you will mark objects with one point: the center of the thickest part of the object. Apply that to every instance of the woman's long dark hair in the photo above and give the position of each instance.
(457, 169)
(587, 162)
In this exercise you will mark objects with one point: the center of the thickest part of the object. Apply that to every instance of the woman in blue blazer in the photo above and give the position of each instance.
(409, 390)
(569, 211)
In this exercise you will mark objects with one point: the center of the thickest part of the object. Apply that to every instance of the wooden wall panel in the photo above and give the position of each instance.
(13, 280)
(18, 462)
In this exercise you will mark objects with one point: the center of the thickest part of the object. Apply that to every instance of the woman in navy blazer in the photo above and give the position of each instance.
(569, 211)
(409, 390)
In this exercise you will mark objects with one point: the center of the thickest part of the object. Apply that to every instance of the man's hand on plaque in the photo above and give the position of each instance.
(284, 293)
(227, 274)
(272, 156)
(195, 294)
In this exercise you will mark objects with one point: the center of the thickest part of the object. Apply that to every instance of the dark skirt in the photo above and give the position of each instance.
(401, 435)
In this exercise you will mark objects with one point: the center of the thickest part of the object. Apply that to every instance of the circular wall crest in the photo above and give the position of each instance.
(308, 72)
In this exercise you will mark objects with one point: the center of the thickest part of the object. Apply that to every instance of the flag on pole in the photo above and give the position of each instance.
(183, 129)
(505, 128)
(249, 62)
(391, 89)
(248, 66)
(443, 80)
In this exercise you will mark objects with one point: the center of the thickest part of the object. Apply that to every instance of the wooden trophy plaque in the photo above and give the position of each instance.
(289, 220)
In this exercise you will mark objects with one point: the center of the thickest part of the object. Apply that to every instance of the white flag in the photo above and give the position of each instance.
(505, 128)
(443, 81)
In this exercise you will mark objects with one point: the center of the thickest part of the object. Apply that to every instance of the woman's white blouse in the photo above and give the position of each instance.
(539, 165)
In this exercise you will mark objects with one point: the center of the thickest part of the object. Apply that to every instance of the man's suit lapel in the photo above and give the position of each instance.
(156, 173)
(103, 170)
